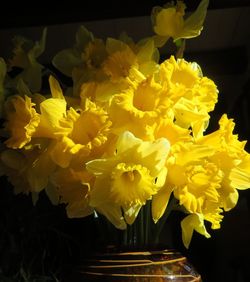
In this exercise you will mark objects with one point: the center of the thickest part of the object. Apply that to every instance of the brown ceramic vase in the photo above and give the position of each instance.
(153, 266)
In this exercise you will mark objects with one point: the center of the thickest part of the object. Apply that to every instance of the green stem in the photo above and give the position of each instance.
(125, 237)
(147, 224)
(141, 232)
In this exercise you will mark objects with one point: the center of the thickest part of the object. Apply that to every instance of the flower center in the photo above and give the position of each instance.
(145, 96)
(185, 76)
(131, 184)
(119, 63)
(131, 176)
(86, 128)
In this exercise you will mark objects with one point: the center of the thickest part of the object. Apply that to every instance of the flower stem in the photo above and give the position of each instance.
(147, 224)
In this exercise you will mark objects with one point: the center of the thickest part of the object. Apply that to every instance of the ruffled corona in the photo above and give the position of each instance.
(82, 132)
(123, 63)
(118, 64)
(232, 160)
(192, 96)
(138, 108)
(22, 121)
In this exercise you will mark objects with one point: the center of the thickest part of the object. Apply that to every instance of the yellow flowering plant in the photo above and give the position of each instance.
(127, 139)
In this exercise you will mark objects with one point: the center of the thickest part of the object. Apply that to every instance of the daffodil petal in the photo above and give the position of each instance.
(189, 224)
(160, 202)
(130, 213)
(114, 214)
(194, 23)
(55, 88)
(240, 178)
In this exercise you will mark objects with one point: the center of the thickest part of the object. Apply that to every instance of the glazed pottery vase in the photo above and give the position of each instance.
(155, 266)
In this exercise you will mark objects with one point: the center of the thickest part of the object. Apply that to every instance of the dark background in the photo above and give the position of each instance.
(31, 13)
(40, 243)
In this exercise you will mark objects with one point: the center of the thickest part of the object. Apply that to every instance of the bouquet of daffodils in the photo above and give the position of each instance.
(128, 132)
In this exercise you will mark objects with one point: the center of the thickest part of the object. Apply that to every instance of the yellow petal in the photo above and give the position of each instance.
(55, 88)
(73, 189)
(159, 40)
(130, 213)
(189, 224)
(22, 121)
(195, 152)
(13, 159)
(160, 202)
(40, 170)
(52, 193)
(157, 150)
(126, 141)
(240, 178)
(231, 200)
(193, 25)
(52, 111)
(78, 209)
(60, 155)
(146, 51)
(169, 22)
(114, 214)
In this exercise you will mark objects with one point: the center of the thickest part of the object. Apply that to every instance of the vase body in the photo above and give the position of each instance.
(167, 265)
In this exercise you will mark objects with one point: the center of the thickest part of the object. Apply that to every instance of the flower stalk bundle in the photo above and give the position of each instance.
(128, 134)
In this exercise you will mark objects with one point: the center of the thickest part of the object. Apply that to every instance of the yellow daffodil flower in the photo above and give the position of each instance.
(232, 160)
(52, 111)
(125, 181)
(169, 22)
(138, 108)
(82, 132)
(192, 96)
(22, 121)
(73, 189)
(25, 57)
(28, 170)
(125, 66)
(194, 180)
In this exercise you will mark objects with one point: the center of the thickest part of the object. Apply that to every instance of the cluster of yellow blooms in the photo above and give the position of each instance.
(129, 131)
